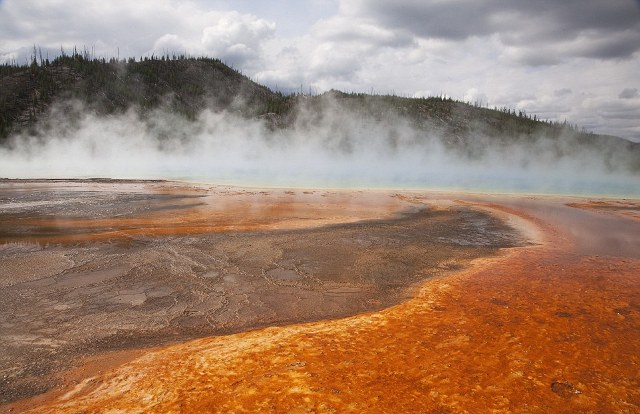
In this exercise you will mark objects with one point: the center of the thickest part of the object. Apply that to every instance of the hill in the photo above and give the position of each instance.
(187, 86)
(184, 85)
(473, 130)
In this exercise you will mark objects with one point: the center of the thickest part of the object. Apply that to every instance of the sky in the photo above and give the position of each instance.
(574, 60)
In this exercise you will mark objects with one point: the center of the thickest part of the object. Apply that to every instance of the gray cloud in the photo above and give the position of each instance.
(608, 46)
(535, 57)
(629, 93)
(562, 92)
(586, 28)
(448, 20)
(620, 110)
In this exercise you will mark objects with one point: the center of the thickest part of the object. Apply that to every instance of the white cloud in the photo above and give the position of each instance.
(134, 27)
(230, 36)
(237, 36)
(475, 96)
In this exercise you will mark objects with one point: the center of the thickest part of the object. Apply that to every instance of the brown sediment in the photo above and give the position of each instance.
(552, 327)
(91, 269)
(162, 209)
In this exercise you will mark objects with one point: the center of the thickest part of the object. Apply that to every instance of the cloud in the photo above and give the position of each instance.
(475, 96)
(345, 44)
(332, 61)
(134, 28)
(454, 20)
(230, 36)
(562, 92)
(612, 116)
(342, 29)
(557, 30)
(629, 93)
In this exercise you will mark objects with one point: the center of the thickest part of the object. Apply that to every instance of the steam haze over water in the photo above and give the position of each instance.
(333, 148)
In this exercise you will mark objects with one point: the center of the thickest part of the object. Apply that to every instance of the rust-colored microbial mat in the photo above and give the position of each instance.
(552, 327)
(94, 269)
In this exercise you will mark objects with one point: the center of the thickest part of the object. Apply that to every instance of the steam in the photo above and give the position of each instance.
(330, 147)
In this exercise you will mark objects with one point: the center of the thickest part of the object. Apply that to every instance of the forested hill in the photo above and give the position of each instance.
(186, 86)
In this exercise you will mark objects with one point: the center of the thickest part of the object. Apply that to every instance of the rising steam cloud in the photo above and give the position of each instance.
(333, 147)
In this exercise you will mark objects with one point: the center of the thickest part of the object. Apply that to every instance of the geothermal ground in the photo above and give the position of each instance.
(171, 297)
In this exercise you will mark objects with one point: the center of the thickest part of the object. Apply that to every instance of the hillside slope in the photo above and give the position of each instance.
(187, 86)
